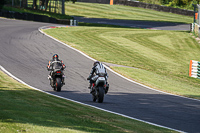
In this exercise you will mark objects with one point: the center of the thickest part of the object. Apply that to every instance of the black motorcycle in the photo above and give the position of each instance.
(56, 79)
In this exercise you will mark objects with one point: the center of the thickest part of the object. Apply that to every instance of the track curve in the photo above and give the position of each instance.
(25, 52)
(137, 23)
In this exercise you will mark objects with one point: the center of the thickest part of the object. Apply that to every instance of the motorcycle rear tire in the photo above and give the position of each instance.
(58, 84)
(101, 95)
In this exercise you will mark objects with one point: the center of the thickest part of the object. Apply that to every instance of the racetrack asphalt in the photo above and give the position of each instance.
(25, 53)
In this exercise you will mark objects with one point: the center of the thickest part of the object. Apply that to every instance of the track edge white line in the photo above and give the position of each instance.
(20, 81)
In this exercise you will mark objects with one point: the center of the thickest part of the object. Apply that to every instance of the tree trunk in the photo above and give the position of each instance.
(24, 3)
(34, 4)
(46, 5)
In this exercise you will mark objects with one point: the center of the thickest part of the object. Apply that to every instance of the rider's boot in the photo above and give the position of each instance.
(91, 90)
(90, 86)
(63, 79)
(51, 82)
(49, 77)
(107, 87)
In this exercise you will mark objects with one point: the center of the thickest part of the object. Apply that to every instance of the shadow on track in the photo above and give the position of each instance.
(156, 108)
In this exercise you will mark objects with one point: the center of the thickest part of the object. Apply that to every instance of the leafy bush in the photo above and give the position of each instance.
(186, 4)
(2, 2)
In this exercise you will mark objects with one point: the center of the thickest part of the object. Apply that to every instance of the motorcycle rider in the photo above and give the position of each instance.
(94, 74)
(55, 63)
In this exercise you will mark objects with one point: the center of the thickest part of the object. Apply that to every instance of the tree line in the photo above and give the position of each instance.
(42, 3)
(186, 4)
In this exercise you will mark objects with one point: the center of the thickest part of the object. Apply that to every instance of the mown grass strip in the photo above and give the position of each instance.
(26, 110)
(162, 57)
(92, 10)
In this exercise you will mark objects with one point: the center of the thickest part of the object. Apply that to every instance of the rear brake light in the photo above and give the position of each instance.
(58, 72)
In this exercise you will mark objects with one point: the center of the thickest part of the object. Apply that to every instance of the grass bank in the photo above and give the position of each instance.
(93, 10)
(26, 110)
(162, 57)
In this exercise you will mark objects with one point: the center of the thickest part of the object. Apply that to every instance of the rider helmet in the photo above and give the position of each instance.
(95, 63)
(55, 57)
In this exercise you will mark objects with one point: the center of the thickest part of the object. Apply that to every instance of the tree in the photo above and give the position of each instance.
(44, 3)
(24, 3)
(2, 2)
(34, 4)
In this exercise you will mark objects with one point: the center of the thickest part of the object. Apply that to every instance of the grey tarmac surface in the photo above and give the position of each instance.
(25, 52)
(136, 23)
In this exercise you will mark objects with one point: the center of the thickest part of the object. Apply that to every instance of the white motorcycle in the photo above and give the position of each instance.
(99, 88)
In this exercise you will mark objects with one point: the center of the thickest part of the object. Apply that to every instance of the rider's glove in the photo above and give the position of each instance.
(88, 78)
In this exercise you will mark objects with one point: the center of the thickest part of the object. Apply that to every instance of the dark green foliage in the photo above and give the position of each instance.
(2, 2)
(71, 0)
(187, 4)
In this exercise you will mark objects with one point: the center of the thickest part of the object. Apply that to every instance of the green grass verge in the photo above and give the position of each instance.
(26, 110)
(92, 10)
(162, 57)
